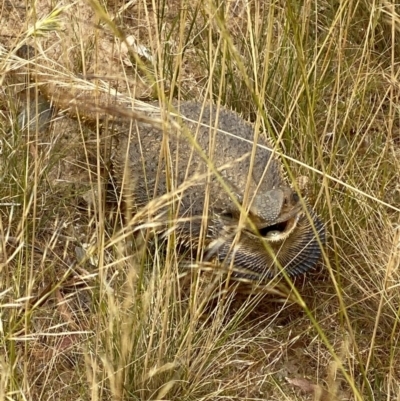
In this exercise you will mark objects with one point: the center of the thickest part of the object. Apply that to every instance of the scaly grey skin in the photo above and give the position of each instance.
(37, 116)
(276, 232)
(270, 232)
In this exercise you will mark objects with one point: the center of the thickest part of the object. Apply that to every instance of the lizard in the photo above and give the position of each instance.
(227, 202)
(278, 228)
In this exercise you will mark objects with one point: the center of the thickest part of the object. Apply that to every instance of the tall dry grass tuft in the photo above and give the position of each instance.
(87, 311)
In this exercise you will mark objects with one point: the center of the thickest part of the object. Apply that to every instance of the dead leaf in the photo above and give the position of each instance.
(130, 44)
(304, 384)
(308, 387)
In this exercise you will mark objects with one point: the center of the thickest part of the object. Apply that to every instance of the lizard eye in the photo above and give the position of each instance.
(227, 215)
(295, 197)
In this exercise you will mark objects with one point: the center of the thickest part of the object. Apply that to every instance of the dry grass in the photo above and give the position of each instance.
(87, 313)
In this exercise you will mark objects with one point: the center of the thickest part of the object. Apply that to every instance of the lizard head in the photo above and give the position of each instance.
(278, 232)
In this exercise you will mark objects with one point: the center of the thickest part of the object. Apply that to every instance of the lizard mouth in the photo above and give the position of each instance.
(279, 231)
